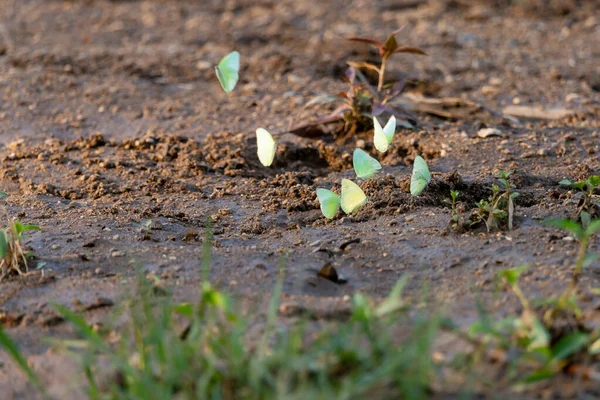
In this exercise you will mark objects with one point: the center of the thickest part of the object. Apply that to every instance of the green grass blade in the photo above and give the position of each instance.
(13, 351)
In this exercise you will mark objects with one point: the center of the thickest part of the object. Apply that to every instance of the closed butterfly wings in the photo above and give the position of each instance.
(384, 136)
(365, 166)
(351, 200)
(266, 147)
(329, 201)
(420, 176)
(227, 71)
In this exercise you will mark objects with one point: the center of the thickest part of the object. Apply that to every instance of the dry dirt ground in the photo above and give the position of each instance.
(110, 114)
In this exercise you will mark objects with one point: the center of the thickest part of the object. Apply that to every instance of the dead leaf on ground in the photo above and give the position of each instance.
(448, 107)
(488, 132)
(537, 112)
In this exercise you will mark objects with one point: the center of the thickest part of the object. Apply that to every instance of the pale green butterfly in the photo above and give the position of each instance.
(365, 166)
(330, 202)
(384, 136)
(420, 176)
(353, 198)
(227, 71)
(266, 147)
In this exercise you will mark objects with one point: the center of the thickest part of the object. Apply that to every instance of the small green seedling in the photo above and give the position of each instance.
(500, 207)
(146, 226)
(583, 234)
(530, 339)
(591, 202)
(13, 257)
(456, 221)
(509, 195)
(3, 195)
(361, 102)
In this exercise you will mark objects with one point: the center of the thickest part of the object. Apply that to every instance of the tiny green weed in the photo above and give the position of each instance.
(207, 349)
(456, 220)
(13, 257)
(499, 209)
(583, 234)
(590, 205)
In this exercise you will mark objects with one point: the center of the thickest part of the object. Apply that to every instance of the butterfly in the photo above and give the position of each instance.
(365, 166)
(420, 176)
(330, 202)
(227, 71)
(266, 147)
(353, 198)
(384, 136)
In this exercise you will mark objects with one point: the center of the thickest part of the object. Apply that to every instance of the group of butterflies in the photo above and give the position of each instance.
(365, 166)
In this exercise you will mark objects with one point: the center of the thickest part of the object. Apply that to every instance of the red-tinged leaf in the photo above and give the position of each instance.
(372, 42)
(379, 109)
(389, 47)
(396, 89)
(413, 50)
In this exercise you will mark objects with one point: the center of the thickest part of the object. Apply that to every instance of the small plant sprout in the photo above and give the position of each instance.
(227, 71)
(455, 222)
(365, 166)
(146, 225)
(3, 195)
(386, 50)
(361, 102)
(500, 207)
(13, 257)
(420, 176)
(582, 234)
(509, 195)
(535, 338)
(590, 205)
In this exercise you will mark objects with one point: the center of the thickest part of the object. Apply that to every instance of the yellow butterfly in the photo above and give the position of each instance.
(353, 198)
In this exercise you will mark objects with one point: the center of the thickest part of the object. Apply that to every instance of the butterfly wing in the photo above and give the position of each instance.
(266, 147)
(420, 176)
(380, 140)
(227, 71)
(365, 166)
(417, 186)
(390, 129)
(353, 198)
(330, 202)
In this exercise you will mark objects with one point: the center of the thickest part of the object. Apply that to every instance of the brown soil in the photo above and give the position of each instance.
(111, 115)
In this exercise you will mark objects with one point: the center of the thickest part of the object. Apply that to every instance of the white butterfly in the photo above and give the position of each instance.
(384, 136)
